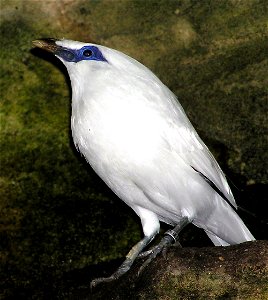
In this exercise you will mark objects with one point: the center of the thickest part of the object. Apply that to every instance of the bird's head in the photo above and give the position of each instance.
(71, 51)
(84, 59)
(79, 58)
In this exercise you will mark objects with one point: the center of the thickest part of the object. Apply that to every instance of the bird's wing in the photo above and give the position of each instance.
(182, 138)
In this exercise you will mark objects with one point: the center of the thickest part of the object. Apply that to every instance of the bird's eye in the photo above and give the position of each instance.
(87, 53)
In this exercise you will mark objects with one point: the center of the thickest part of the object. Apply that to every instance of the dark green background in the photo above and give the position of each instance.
(56, 215)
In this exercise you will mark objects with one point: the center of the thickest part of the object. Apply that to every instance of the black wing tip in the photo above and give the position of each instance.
(215, 188)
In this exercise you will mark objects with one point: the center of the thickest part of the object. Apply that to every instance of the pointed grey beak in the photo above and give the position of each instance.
(48, 44)
(65, 54)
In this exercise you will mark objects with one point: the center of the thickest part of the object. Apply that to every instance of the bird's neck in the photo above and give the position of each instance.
(83, 80)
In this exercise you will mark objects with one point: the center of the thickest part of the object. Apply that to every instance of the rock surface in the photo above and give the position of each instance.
(235, 272)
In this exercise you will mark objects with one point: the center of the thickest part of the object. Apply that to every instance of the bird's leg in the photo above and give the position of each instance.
(150, 226)
(130, 258)
(171, 237)
(171, 234)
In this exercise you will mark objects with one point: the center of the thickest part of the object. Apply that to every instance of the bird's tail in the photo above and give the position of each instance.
(224, 227)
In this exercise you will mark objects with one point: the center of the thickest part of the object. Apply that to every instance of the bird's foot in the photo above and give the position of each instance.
(147, 253)
(130, 258)
(166, 242)
(154, 249)
(170, 238)
(118, 273)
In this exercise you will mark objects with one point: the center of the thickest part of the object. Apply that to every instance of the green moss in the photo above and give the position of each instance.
(209, 285)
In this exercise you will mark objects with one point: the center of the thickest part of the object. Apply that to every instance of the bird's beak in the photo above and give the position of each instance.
(47, 44)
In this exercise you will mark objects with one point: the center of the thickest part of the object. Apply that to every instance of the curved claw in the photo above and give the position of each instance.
(120, 271)
(97, 281)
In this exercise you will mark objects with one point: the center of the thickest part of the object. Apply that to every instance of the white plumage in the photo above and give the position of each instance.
(134, 133)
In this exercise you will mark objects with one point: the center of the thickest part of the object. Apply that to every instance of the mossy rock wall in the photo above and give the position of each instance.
(56, 214)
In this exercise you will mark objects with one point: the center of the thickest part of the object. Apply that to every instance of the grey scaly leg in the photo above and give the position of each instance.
(171, 236)
(130, 258)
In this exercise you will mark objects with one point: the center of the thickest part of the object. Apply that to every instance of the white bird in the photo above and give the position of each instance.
(136, 136)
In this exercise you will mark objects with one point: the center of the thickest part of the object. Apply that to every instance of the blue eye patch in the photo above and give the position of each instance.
(85, 53)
